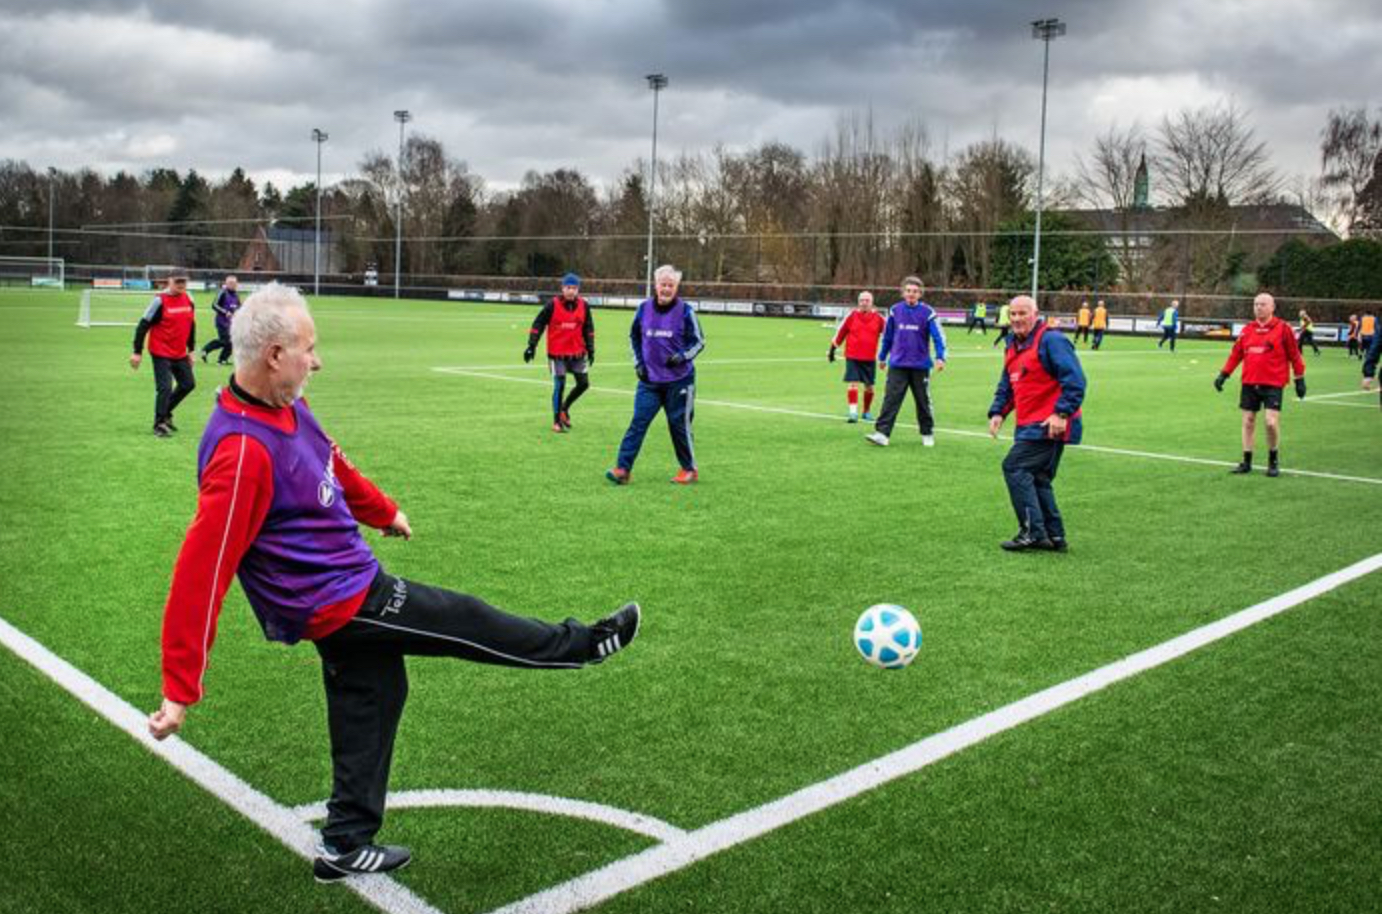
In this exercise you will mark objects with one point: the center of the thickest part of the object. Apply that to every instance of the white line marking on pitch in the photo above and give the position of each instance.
(622, 875)
(967, 433)
(278, 820)
(509, 799)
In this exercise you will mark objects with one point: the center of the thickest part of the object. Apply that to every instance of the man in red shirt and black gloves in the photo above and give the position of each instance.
(280, 506)
(1267, 348)
(860, 332)
(171, 329)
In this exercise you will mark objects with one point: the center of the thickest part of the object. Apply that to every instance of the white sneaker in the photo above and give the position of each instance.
(928, 440)
(877, 438)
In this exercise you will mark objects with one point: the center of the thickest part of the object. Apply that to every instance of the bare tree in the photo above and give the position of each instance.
(1211, 155)
(1107, 179)
(1350, 147)
(989, 185)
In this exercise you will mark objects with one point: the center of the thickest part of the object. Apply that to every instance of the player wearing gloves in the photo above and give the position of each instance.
(859, 333)
(570, 346)
(1267, 348)
(666, 338)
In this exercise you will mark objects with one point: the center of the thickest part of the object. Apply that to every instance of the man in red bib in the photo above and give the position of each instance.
(570, 346)
(171, 329)
(1043, 382)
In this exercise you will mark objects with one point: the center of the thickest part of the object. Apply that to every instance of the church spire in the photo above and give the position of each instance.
(1140, 184)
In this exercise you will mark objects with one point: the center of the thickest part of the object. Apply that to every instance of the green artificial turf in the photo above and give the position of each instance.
(744, 685)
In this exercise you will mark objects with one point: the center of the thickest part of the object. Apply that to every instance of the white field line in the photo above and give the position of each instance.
(509, 799)
(1357, 392)
(965, 433)
(279, 821)
(1310, 402)
(622, 875)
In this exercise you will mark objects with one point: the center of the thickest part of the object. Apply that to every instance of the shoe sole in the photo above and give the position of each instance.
(346, 874)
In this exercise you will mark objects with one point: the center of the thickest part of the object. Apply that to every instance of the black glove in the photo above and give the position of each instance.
(1219, 382)
(641, 371)
(831, 357)
(590, 356)
(1300, 388)
(675, 359)
(529, 353)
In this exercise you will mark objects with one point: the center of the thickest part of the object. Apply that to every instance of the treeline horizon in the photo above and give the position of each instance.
(863, 206)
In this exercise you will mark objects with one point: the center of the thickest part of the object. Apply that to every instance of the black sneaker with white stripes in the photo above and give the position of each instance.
(614, 633)
(330, 866)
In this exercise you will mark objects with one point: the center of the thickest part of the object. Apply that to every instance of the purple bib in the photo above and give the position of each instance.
(309, 553)
(663, 336)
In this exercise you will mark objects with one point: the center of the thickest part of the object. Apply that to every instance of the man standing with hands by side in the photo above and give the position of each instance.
(1043, 383)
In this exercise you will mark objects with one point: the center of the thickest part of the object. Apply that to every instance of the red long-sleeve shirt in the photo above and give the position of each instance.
(1269, 353)
(234, 498)
(860, 332)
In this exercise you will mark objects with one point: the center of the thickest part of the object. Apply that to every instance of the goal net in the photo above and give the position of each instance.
(113, 307)
(33, 272)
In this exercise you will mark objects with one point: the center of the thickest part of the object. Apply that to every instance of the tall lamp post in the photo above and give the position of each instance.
(657, 82)
(1047, 30)
(403, 117)
(318, 137)
(52, 185)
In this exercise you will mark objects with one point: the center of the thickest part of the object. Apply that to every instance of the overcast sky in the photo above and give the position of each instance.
(513, 85)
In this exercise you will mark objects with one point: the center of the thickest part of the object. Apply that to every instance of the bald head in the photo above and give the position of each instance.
(1264, 306)
(1022, 315)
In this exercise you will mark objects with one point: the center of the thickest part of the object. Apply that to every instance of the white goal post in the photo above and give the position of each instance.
(113, 307)
(33, 272)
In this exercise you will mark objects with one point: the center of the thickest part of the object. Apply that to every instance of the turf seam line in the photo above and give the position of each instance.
(279, 821)
(966, 433)
(621, 876)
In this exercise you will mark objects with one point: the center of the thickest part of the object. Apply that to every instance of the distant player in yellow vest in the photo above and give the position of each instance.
(1002, 325)
(1307, 333)
(1170, 325)
(979, 318)
(1082, 319)
(1100, 324)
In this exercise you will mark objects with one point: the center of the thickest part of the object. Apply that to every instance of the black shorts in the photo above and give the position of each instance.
(861, 371)
(1259, 396)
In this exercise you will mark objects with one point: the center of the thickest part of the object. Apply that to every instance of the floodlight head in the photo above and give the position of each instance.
(320, 136)
(1047, 29)
(403, 116)
(656, 81)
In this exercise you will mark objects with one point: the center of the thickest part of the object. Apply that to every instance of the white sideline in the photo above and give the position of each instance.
(510, 799)
(967, 433)
(279, 821)
(621, 876)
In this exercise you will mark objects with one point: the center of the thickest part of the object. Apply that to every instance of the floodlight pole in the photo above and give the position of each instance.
(318, 136)
(403, 117)
(1047, 30)
(657, 82)
(52, 184)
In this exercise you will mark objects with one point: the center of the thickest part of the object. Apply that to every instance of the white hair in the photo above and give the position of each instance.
(667, 270)
(264, 319)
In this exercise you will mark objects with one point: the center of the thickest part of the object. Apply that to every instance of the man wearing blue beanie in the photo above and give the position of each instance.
(570, 346)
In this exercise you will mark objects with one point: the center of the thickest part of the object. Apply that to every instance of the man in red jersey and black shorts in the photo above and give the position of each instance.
(570, 346)
(280, 506)
(1267, 348)
(170, 327)
(860, 332)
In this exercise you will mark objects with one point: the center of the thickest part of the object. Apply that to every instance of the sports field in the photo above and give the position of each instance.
(1242, 776)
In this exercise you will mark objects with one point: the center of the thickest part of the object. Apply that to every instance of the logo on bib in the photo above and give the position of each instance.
(326, 489)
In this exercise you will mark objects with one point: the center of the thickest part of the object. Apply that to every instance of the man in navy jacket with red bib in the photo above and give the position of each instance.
(570, 346)
(1043, 382)
(170, 327)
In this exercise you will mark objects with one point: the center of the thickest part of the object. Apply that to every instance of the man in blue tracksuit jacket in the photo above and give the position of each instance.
(1370, 360)
(913, 328)
(1043, 383)
(666, 338)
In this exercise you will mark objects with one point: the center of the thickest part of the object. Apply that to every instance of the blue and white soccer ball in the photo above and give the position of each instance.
(887, 636)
